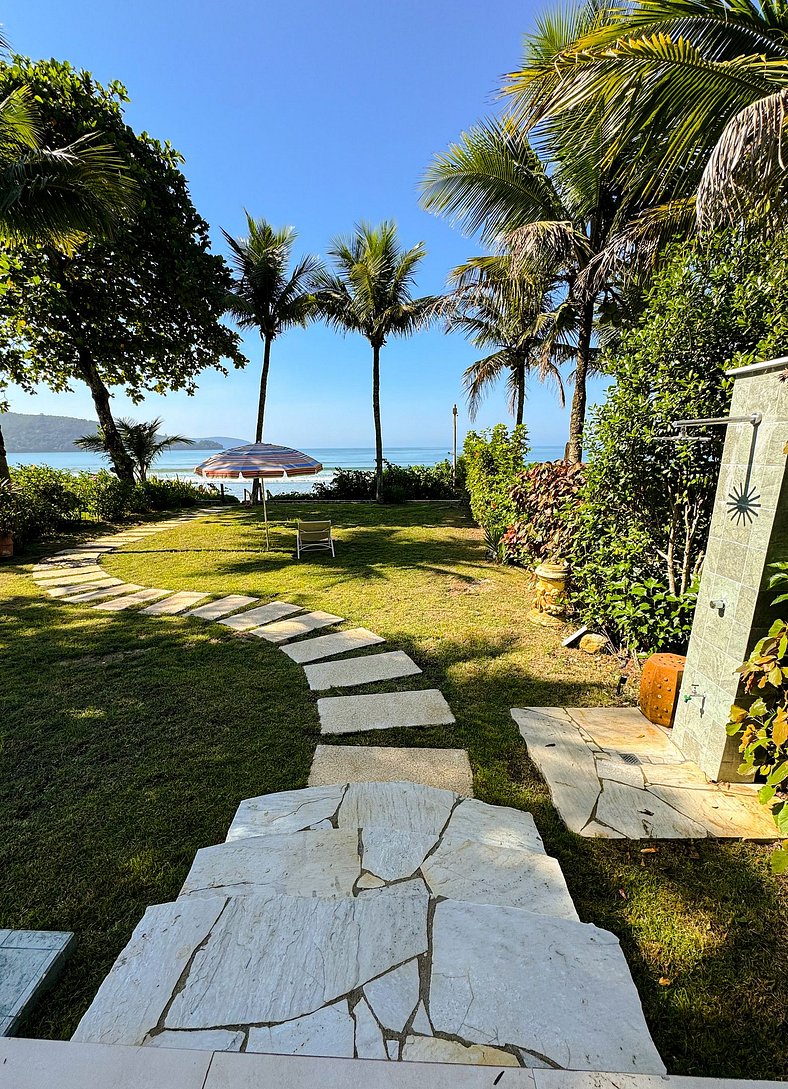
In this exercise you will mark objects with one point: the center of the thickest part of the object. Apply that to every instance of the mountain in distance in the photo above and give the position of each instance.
(41, 434)
(226, 443)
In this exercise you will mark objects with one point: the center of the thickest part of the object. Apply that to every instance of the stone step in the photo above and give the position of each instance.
(106, 588)
(385, 711)
(69, 593)
(178, 603)
(401, 806)
(323, 646)
(141, 597)
(375, 976)
(335, 862)
(214, 610)
(64, 577)
(282, 630)
(364, 670)
(446, 769)
(263, 614)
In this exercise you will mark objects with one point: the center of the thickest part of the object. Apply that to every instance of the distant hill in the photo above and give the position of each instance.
(226, 443)
(28, 434)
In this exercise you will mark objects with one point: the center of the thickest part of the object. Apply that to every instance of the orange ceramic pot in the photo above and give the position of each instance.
(659, 687)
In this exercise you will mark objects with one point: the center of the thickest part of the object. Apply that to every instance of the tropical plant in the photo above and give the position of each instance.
(514, 316)
(141, 310)
(369, 292)
(543, 498)
(141, 442)
(698, 88)
(267, 295)
(494, 461)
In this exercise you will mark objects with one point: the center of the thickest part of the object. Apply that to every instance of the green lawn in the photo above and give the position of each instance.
(128, 742)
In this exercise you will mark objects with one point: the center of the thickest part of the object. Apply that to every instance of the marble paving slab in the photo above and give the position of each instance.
(384, 711)
(106, 588)
(178, 603)
(365, 670)
(654, 794)
(70, 592)
(556, 989)
(30, 961)
(263, 614)
(216, 609)
(119, 604)
(447, 769)
(287, 811)
(282, 630)
(323, 646)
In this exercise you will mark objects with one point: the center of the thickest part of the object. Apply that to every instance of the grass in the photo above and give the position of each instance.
(129, 741)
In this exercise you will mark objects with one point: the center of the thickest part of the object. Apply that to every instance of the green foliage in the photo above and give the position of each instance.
(141, 441)
(640, 527)
(543, 498)
(494, 461)
(400, 483)
(760, 718)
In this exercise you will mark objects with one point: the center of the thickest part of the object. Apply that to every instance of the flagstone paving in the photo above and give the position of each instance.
(353, 671)
(222, 607)
(613, 774)
(376, 920)
(324, 646)
(384, 711)
(448, 769)
(282, 630)
(263, 614)
(30, 960)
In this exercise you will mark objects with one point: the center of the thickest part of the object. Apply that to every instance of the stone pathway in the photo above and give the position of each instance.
(613, 774)
(30, 961)
(390, 921)
(449, 769)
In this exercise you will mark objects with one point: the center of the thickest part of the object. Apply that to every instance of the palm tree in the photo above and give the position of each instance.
(268, 295)
(141, 443)
(517, 319)
(699, 86)
(370, 293)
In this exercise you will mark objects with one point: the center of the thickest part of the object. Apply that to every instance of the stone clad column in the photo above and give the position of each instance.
(749, 530)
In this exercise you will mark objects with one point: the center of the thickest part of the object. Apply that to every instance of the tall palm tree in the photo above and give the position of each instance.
(140, 441)
(268, 295)
(514, 317)
(699, 86)
(369, 292)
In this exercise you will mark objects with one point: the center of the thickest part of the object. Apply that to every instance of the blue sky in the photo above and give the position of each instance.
(317, 115)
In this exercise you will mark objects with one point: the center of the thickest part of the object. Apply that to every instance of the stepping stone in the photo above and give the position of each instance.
(282, 630)
(175, 604)
(222, 607)
(309, 650)
(263, 614)
(107, 588)
(496, 825)
(30, 960)
(350, 671)
(324, 863)
(386, 711)
(448, 769)
(70, 578)
(118, 604)
(408, 807)
(556, 989)
(96, 584)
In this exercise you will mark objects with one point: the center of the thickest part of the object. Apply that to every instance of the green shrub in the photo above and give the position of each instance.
(544, 498)
(639, 530)
(103, 496)
(400, 483)
(494, 462)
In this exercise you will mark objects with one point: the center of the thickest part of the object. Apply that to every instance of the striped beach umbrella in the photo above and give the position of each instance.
(258, 461)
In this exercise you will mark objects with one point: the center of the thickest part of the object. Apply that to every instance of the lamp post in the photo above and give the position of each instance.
(454, 454)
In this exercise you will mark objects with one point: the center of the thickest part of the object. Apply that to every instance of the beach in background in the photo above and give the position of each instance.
(181, 463)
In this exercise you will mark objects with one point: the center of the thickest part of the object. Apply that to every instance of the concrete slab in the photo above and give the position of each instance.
(385, 711)
(366, 670)
(282, 630)
(30, 961)
(222, 607)
(309, 650)
(60, 1064)
(107, 588)
(178, 603)
(97, 583)
(62, 577)
(118, 604)
(447, 769)
(263, 614)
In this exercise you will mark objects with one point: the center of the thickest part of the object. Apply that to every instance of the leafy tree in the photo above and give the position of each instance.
(494, 462)
(698, 87)
(140, 310)
(642, 519)
(140, 441)
(370, 293)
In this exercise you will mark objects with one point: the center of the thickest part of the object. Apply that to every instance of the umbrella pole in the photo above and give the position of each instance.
(265, 516)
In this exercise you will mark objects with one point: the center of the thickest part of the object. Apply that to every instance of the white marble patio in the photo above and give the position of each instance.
(388, 921)
(613, 774)
(383, 711)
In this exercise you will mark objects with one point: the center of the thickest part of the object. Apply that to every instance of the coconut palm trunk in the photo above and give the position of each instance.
(577, 413)
(258, 485)
(520, 408)
(376, 416)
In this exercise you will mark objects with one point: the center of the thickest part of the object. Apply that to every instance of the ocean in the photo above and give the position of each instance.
(181, 463)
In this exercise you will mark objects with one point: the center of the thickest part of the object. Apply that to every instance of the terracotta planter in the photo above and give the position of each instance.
(550, 599)
(6, 546)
